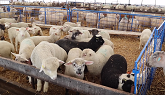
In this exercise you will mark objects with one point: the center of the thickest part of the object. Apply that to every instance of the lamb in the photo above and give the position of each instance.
(47, 57)
(33, 20)
(6, 48)
(114, 74)
(26, 48)
(80, 34)
(37, 30)
(12, 33)
(19, 25)
(94, 43)
(144, 37)
(123, 24)
(2, 29)
(103, 33)
(22, 34)
(75, 65)
(108, 22)
(143, 21)
(99, 58)
(8, 14)
(56, 29)
(157, 59)
(134, 25)
(51, 39)
(92, 18)
(27, 11)
(10, 20)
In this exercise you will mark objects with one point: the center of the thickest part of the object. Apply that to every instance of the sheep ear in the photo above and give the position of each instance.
(16, 55)
(27, 28)
(61, 62)
(89, 62)
(68, 63)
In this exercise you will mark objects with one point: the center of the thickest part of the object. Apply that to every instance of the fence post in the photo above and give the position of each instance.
(70, 14)
(77, 16)
(45, 15)
(135, 71)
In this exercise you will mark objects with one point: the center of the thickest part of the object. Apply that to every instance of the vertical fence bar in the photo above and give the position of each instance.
(45, 15)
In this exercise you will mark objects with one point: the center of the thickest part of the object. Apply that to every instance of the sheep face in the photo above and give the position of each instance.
(2, 26)
(157, 59)
(30, 30)
(22, 31)
(96, 41)
(66, 28)
(88, 54)
(94, 32)
(78, 65)
(19, 57)
(78, 24)
(126, 81)
(7, 25)
(76, 35)
(50, 66)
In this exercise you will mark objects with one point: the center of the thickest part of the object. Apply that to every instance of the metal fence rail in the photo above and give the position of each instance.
(154, 44)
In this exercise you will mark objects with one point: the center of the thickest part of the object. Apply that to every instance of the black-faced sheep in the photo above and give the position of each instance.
(114, 74)
(93, 44)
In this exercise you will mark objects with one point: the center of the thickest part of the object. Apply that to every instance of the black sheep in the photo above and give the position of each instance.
(94, 43)
(114, 74)
(94, 31)
(2, 26)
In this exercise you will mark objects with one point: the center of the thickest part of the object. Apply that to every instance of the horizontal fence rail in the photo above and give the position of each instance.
(62, 80)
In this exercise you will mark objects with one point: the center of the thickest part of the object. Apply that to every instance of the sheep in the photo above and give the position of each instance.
(19, 25)
(2, 29)
(108, 22)
(47, 57)
(92, 18)
(12, 33)
(33, 20)
(8, 14)
(6, 48)
(56, 29)
(22, 34)
(10, 20)
(75, 65)
(67, 26)
(144, 37)
(77, 24)
(99, 58)
(37, 30)
(114, 74)
(56, 17)
(80, 34)
(156, 22)
(94, 43)
(26, 48)
(27, 11)
(134, 25)
(103, 33)
(143, 21)
(123, 24)
(51, 39)
(157, 59)
(73, 29)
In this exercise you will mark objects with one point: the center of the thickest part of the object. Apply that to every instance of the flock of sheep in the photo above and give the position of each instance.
(79, 48)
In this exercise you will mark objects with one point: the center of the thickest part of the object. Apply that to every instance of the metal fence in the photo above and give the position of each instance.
(154, 44)
(108, 20)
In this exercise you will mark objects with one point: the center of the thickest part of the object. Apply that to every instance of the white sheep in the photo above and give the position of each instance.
(33, 20)
(10, 20)
(144, 37)
(56, 29)
(8, 14)
(47, 57)
(80, 34)
(22, 34)
(12, 33)
(19, 25)
(26, 48)
(37, 30)
(52, 38)
(123, 24)
(156, 22)
(27, 11)
(143, 21)
(134, 25)
(99, 58)
(75, 65)
(6, 48)
(92, 18)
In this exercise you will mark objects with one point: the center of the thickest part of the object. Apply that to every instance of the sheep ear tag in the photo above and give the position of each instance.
(42, 67)
(124, 80)
(159, 58)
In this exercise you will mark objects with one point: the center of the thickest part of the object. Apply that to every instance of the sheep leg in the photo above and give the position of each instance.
(16, 44)
(46, 85)
(39, 85)
(66, 91)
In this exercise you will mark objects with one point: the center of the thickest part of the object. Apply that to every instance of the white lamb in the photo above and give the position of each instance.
(47, 57)
(37, 30)
(10, 20)
(144, 37)
(19, 25)
(51, 39)
(75, 65)
(22, 34)
(99, 58)
(12, 33)
(26, 48)
(56, 29)
(6, 48)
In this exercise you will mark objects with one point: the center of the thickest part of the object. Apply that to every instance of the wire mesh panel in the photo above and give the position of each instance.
(144, 75)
